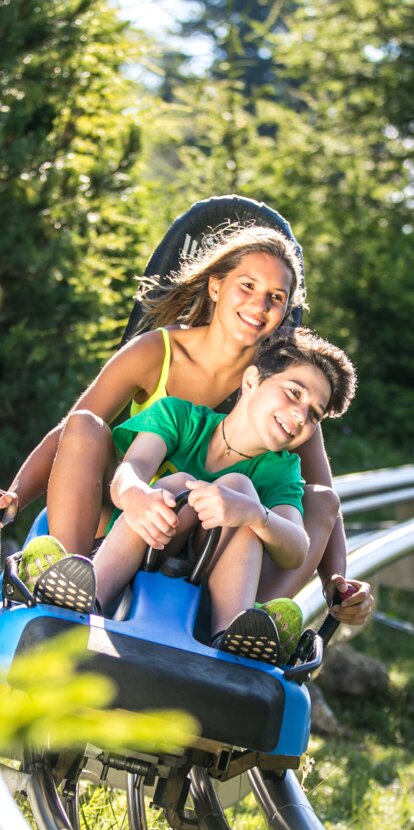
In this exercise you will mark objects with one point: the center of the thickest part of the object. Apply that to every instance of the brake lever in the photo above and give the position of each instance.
(327, 629)
(13, 589)
(310, 648)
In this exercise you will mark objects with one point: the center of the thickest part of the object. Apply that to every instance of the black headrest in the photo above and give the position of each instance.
(196, 226)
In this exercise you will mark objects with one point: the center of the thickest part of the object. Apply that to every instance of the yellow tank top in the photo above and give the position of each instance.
(161, 390)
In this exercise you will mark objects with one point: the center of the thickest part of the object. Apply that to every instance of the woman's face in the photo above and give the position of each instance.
(251, 301)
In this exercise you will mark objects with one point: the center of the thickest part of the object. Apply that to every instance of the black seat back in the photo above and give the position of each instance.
(197, 227)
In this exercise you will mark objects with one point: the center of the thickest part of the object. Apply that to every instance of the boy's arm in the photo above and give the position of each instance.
(280, 529)
(147, 511)
(283, 535)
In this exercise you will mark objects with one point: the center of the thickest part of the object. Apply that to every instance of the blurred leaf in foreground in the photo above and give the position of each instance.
(44, 700)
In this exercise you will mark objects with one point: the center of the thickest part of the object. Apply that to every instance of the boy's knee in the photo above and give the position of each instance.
(239, 482)
(175, 481)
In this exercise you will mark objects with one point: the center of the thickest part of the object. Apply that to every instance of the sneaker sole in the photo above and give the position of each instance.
(70, 583)
(253, 634)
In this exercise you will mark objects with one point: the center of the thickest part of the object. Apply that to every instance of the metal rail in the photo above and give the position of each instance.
(373, 550)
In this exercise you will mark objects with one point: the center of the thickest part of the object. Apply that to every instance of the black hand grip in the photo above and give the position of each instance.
(330, 624)
(151, 556)
(200, 569)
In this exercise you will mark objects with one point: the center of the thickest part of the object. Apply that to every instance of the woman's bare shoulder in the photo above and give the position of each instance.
(149, 346)
(135, 367)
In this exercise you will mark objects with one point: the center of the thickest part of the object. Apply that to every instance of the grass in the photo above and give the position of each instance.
(365, 780)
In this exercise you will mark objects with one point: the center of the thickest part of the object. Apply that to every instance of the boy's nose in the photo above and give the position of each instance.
(301, 414)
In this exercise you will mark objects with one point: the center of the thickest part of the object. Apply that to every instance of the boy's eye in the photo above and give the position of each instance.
(314, 416)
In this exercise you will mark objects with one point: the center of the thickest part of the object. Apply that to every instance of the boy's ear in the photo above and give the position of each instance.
(213, 288)
(250, 379)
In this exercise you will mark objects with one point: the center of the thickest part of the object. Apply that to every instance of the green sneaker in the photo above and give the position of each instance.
(288, 619)
(37, 557)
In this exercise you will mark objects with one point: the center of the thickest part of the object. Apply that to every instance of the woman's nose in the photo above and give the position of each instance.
(261, 302)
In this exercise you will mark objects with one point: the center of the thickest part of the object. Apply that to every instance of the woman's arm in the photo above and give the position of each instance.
(315, 465)
(316, 469)
(135, 367)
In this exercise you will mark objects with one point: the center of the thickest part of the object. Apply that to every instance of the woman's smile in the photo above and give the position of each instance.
(252, 300)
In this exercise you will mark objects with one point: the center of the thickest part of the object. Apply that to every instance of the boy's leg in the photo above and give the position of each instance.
(117, 561)
(234, 585)
(237, 627)
(83, 466)
(235, 576)
(321, 506)
(122, 552)
(236, 566)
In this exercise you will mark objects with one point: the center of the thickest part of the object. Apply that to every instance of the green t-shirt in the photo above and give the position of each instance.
(186, 430)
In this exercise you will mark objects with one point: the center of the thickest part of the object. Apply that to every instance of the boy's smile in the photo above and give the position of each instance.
(281, 412)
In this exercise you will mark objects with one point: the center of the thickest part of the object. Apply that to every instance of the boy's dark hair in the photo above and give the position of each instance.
(293, 347)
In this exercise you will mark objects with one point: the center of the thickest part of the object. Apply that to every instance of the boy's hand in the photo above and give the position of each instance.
(151, 516)
(354, 610)
(220, 506)
(9, 502)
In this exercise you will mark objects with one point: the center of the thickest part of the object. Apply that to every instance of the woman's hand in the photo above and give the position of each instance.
(9, 503)
(151, 516)
(356, 609)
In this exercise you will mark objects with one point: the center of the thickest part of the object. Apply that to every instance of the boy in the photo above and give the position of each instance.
(242, 475)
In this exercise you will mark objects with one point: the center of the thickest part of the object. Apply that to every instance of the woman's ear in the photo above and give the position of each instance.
(213, 288)
(250, 380)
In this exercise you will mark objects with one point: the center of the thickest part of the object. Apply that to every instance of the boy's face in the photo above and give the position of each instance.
(285, 409)
(252, 300)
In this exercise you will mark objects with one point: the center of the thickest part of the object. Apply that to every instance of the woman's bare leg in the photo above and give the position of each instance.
(321, 505)
(81, 472)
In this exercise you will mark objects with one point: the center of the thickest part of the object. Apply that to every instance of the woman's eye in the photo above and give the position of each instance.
(248, 285)
(278, 298)
(295, 393)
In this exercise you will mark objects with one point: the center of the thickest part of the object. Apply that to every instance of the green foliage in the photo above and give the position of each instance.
(69, 206)
(344, 159)
(45, 702)
(330, 147)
